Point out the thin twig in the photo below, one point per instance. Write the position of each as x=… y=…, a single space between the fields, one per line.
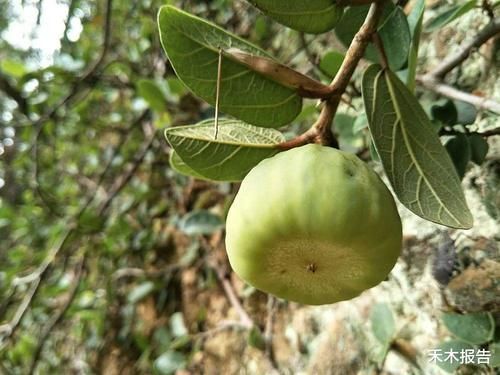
x=36 y=279
x=59 y=316
x=489 y=31
x=477 y=101
x=124 y=179
x=14 y=94
x=320 y=132
x=245 y=319
x=217 y=93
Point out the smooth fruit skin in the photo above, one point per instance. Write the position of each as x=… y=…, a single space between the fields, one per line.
x=313 y=225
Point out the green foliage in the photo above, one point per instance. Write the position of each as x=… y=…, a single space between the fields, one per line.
x=330 y=63
x=450 y=15
x=383 y=325
x=418 y=166
x=192 y=46
x=393 y=30
x=460 y=152
x=303 y=15
x=201 y=222
x=236 y=149
x=473 y=328
x=455 y=347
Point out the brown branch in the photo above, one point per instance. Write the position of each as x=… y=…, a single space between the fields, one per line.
x=320 y=132
x=489 y=31
x=14 y=94
x=479 y=102
x=384 y=62
x=245 y=319
x=59 y=316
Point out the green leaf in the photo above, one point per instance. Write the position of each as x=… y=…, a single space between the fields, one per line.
x=179 y=166
x=256 y=339
x=383 y=325
x=313 y=17
x=396 y=38
x=479 y=148
x=331 y=62
x=393 y=30
x=151 y=93
x=201 y=222
x=417 y=165
x=140 y=291
x=450 y=357
x=445 y=111
x=169 y=362
x=494 y=349
x=473 y=328
x=12 y=67
x=238 y=148
x=450 y=15
x=459 y=150
x=192 y=45
x=466 y=112
x=415 y=19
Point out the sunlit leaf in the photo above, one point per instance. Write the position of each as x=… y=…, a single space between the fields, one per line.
x=237 y=149
x=201 y=222
x=193 y=44
x=416 y=163
x=313 y=17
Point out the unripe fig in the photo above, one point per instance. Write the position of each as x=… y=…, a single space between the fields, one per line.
x=313 y=225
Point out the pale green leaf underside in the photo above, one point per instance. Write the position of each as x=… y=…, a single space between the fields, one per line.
x=192 y=46
x=238 y=148
x=313 y=17
x=179 y=166
x=417 y=165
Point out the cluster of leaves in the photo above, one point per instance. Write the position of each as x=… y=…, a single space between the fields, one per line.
x=95 y=228
x=262 y=94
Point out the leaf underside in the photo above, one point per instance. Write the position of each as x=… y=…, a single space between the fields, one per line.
x=238 y=148
x=192 y=46
x=313 y=17
x=416 y=163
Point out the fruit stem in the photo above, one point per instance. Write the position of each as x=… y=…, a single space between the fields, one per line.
x=321 y=131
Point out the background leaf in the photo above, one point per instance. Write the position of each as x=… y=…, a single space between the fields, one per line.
x=479 y=148
x=474 y=328
x=459 y=150
x=383 y=325
x=148 y=90
x=313 y=17
x=393 y=30
x=201 y=222
x=330 y=63
x=238 y=147
x=192 y=46
x=417 y=165
x=456 y=346
x=415 y=20
x=450 y=15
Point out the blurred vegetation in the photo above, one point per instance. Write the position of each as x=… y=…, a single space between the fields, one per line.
x=109 y=261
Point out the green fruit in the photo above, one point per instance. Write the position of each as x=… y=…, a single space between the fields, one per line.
x=313 y=225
